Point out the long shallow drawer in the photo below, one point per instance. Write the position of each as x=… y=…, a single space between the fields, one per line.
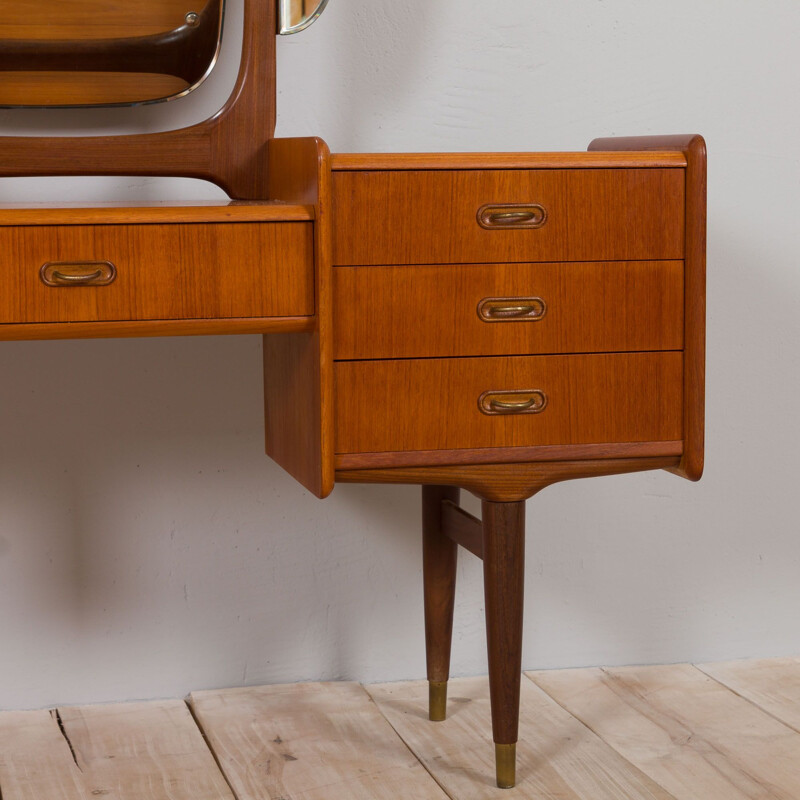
x=460 y=216
x=154 y=271
x=507 y=309
x=436 y=404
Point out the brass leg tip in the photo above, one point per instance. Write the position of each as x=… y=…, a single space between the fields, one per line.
x=506 y=760
x=437 y=700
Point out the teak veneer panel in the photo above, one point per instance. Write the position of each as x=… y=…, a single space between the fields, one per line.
x=121 y=212
x=633 y=159
x=163 y=272
x=85 y=88
x=298 y=367
x=432 y=404
x=431 y=311
x=90 y=19
x=430 y=217
x=693 y=148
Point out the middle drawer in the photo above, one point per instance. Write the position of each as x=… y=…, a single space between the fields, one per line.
x=507 y=309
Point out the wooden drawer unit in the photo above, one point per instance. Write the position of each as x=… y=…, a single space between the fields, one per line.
x=512 y=215
x=436 y=404
x=574 y=274
x=159 y=272
x=507 y=309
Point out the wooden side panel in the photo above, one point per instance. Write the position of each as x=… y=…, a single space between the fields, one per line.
x=163 y=272
x=694 y=149
x=298 y=368
x=428 y=217
x=311 y=741
x=432 y=404
x=432 y=311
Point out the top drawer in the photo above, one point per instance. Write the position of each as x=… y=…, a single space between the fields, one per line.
x=431 y=217
x=156 y=272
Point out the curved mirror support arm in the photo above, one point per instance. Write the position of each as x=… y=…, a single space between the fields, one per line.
x=296 y=15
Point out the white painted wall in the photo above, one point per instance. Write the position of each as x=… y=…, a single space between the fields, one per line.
x=148 y=547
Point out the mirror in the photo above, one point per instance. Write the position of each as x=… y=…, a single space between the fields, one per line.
x=296 y=15
x=105 y=52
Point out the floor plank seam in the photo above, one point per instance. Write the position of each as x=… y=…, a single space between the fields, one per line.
x=407 y=745
x=61 y=728
x=747 y=699
x=597 y=734
x=210 y=749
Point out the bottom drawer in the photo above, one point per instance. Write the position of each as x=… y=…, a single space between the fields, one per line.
x=522 y=401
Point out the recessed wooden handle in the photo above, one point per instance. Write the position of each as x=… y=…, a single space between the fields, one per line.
x=512 y=309
x=525 y=401
x=511 y=216
x=78 y=273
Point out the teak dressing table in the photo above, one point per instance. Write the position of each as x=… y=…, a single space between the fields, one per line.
x=494 y=323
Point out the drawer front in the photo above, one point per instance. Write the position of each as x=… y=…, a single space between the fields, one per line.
x=507 y=309
x=432 y=217
x=177 y=271
x=433 y=404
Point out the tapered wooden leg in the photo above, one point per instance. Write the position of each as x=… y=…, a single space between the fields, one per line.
x=503 y=572
x=439 y=560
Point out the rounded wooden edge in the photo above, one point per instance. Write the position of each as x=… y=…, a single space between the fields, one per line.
x=506 y=455
x=119 y=214
x=347 y=162
x=169 y=327
x=507 y=483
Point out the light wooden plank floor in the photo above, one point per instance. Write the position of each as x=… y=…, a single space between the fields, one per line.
x=708 y=732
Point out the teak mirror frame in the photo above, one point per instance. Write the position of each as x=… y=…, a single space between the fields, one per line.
x=228 y=149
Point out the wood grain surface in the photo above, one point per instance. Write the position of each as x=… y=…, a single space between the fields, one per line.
x=138 y=750
x=430 y=404
x=126 y=751
x=772 y=684
x=634 y=159
x=298 y=368
x=309 y=741
x=431 y=311
x=163 y=272
x=693 y=736
x=557 y=757
x=429 y=217
x=229 y=148
x=488 y=456
x=439 y=570
x=693 y=148
x=90 y=19
x=503 y=591
x=159 y=327
x=59 y=212
x=35 y=759
x=44 y=88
